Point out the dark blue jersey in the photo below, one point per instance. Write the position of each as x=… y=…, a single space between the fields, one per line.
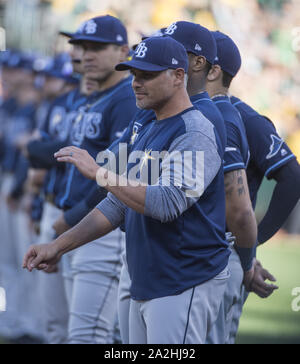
x=7 y=108
x=58 y=128
x=20 y=122
x=41 y=114
x=97 y=124
x=204 y=103
x=167 y=252
x=58 y=124
x=237 y=150
x=201 y=101
x=268 y=151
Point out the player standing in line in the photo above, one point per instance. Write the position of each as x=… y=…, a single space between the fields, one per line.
x=177 y=274
x=201 y=48
x=40 y=153
x=239 y=212
x=269 y=156
x=202 y=52
x=15 y=233
x=93 y=273
x=240 y=216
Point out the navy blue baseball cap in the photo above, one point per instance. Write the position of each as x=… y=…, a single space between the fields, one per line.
x=75 y=34
x=157 y=54
x=228 y=57
x=4 y=57
x=157 y=33
x=102 y=29
x=59 y=66
x=18 y=59
x=195 y=38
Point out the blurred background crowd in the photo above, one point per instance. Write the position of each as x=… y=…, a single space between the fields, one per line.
x=267 y=33
x=36 y=68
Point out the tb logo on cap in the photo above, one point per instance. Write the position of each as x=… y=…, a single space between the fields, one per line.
x=141 y=50
x=90 y=27
x=171 y=29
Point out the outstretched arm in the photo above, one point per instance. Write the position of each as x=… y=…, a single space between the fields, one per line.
x=93 y=226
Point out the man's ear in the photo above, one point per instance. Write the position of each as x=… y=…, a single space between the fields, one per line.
x=124 y=52
x=198 y=63
x=215 y=73
x=179 y=76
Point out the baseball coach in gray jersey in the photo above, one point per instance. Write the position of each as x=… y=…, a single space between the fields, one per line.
x=178 y=271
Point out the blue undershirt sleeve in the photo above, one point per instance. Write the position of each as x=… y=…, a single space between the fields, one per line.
x=285 y=197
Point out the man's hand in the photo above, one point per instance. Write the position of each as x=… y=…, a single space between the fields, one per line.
x=248 y=278
x=81 y=159
x=41 y=257
x=60 y=226
x=12 y=203
x=258 y=285
x=36 y=178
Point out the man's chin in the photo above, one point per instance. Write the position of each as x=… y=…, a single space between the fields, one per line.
x=92 y=76
x=143 y=105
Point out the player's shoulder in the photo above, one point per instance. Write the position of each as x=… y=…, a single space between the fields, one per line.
x=121 y=96
x=211 y=112
x=193 y=120
x=63 y=99
x=251 y=118
x=228 y=111
x=246 y=110
x=123 y=89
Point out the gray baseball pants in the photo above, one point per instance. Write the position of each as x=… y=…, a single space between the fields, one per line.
x=51 y=286
x=91 y=280
x=225 y=328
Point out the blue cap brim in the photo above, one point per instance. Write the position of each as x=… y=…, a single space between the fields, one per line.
x=88 y=38
x=139 y=65
x=67 y=34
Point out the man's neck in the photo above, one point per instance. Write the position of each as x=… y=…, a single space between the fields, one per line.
x=217 y=91
x=174 y=106
x=111 y=81
x=196 y=85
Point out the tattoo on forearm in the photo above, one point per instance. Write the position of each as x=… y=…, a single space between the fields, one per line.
x=229 y=187
x=240 y=182
x=234 y=182
x=241 y=191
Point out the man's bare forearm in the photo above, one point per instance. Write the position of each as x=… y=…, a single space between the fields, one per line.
x=240 y=217
x=92 y=227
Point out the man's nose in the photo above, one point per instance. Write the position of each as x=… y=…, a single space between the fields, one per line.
x=137 y=83
x=87 y=56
